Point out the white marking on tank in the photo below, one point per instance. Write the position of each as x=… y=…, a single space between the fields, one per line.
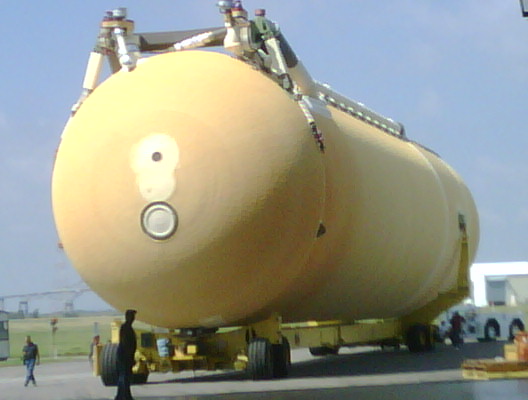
x=154 y=160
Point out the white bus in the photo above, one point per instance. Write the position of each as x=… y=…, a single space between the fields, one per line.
x=489 y=323
x=4 y=336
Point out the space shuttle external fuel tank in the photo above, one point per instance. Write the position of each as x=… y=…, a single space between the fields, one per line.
x=206 y=190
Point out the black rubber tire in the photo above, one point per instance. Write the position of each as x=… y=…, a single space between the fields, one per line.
x=281 y=359
x=139 y=379
x=108 y=365
x=435 y=332
x=287 y=351
x=393 y=343
x=516 y=323
x=430 y=341
x=260 y=359
x=492 y=323
x=317 y=351
x=324 y=351
x=109 y=374
x=419 y=339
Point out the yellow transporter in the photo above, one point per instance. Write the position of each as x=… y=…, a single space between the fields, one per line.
x=209 y=191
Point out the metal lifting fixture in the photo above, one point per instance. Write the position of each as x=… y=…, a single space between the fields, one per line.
x=258 y=42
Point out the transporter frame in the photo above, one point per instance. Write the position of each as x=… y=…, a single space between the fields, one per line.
x=262 y=349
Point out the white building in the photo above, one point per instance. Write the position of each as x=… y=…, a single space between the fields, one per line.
x=503 y=283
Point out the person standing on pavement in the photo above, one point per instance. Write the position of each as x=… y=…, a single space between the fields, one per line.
x=125 y=356
x=93 y=349
x=456 y=329
x=30 y=356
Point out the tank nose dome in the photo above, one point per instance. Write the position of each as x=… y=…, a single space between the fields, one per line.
x=189 y=189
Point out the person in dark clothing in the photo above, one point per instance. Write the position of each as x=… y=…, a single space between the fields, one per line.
x=456 y=329
x=30 y=356
x=125 y=356
x=93 y=349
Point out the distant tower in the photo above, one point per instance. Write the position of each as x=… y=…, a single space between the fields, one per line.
x=23 y=308
x=68 y=307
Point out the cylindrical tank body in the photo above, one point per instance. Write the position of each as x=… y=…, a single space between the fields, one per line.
x=192 y=190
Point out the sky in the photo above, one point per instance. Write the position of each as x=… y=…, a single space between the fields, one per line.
x=454 y=72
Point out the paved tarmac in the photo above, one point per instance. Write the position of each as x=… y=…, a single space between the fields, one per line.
x=355 y=374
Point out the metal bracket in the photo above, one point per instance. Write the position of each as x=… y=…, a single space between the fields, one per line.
x=114 y=41
x=258 y=42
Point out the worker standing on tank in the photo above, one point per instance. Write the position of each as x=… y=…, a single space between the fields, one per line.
x=456 y=329
x=125 y=356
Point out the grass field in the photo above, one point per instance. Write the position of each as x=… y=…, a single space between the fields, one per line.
x=72 y=338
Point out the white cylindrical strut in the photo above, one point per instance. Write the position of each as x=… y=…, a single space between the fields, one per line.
x=91 y=78
x=273 y=46
x=93 y=70
x=195 y=42
x=125 y=59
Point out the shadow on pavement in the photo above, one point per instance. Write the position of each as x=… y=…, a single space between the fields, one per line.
x=372 y=363
x=387 y=362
